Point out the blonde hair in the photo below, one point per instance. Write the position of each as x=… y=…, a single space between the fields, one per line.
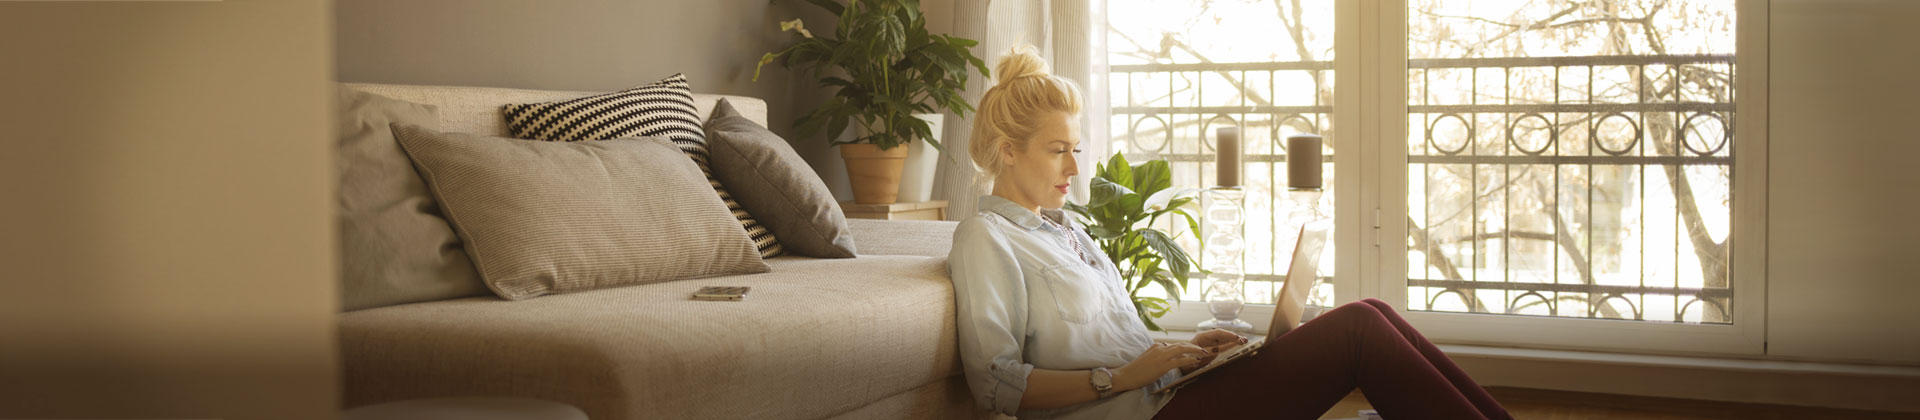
x=1025 y=88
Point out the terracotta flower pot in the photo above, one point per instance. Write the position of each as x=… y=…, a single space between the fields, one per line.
x=875 y=173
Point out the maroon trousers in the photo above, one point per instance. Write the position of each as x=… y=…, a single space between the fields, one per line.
x=1363 y=344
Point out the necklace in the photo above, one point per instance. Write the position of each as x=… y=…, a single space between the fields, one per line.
x=1079 y=251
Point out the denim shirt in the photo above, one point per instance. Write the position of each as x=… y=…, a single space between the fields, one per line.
x=1025 y=300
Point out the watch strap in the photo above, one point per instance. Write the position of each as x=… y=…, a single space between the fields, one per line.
x=1103 y=388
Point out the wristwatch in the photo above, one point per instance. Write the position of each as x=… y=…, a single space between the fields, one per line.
x=1102 y=381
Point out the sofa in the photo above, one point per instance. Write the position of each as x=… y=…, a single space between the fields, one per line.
x=856 y=338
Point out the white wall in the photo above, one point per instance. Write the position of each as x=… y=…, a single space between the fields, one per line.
x=1844 y=194
x=166 y=210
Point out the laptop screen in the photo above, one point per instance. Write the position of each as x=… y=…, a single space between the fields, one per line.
x=1291 y=303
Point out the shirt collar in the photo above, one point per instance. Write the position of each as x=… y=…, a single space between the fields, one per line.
x=1020 y=216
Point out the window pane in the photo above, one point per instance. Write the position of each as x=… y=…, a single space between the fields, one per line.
x=1180 y=69
x=1571 y=159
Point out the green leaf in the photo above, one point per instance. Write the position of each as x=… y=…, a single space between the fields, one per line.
x=893 y=37
x=960 y=42
x=1193 y=226
x=1131 y=203
x=979 y=64
x=1118 y=171
x=812 y=122
x=1157 y=306
x=1103 y=232
x=1151 y=177
x=1079 y=212
x=1104 y=191
x=836 y=127
x=809 y=55
x=1133 y=252
x=842 y=53
x=1179 y=203
x=1177 y=259
x=833 y=81
x=1143 y=269
x=1141 y=310
x=925 y=131
x=1168 y=285
x=1156 y=303
x=948 y=60
x=916 y=24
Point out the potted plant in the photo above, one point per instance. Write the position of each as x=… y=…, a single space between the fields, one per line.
x=1125 y=202
x=894 y=70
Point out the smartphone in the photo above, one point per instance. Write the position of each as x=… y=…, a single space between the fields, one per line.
x=721 y=293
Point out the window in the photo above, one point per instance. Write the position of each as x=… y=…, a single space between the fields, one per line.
x=1571 y=159
x=1181 y=69
x=1511 y=172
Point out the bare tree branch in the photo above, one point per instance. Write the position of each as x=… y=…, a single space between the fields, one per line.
x=1439 y=261
x=1433 y=15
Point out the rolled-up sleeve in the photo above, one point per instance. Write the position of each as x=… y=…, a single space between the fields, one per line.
x=990 y=301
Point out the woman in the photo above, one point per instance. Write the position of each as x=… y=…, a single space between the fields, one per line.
x=1046 y=329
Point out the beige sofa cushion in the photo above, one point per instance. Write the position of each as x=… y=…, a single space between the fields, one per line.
x=551 y=217
x=816 y=337
x=395 y=245
x=932 y=238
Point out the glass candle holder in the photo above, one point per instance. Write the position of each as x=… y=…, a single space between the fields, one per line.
x=1303 y=207
x=1224 y=252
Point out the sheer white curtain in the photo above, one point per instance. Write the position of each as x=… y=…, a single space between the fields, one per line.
x=1071 y=35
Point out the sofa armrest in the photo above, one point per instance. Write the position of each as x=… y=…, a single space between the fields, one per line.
x=932 y=238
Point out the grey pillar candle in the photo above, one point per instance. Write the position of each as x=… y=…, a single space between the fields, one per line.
x=1303 y=162
x=1226 y=162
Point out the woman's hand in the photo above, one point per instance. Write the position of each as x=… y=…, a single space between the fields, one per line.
x=1218 y=340
x=1215 y=341
x=1156 y=361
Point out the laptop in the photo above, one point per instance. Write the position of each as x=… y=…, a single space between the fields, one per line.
x=1289 y=306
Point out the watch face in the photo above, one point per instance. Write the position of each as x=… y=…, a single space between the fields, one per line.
x=1102 y=379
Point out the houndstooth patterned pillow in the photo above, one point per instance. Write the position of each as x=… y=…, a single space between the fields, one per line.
x=660 y=109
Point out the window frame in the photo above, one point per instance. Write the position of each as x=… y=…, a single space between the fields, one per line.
x=1387 y=188
x=1370 y=214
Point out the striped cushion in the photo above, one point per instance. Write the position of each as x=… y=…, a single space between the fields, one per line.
x=659 y=109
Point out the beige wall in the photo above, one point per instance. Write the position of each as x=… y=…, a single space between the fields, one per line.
x=939 y=15
x=166 y=229
x=1842 y=227
x=588 y=45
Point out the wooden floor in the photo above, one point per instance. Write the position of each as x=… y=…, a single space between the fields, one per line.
x=1532 y=404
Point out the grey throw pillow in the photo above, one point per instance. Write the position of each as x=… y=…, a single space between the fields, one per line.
x=395 y=247
x=771 y=181
x=554 y=217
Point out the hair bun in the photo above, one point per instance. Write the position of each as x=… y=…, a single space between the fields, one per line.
x=1021 y=62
